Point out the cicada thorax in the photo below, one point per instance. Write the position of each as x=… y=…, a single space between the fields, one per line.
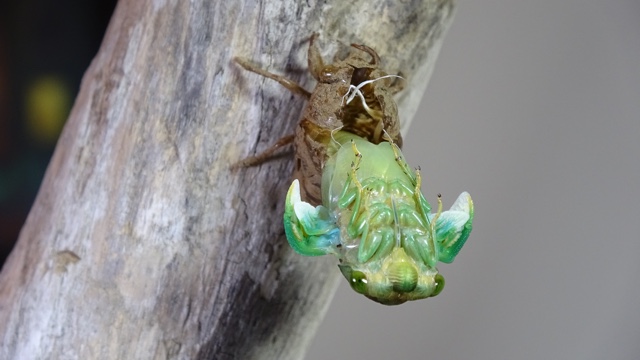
x=328 y=110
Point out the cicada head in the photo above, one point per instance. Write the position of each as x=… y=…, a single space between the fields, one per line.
x=394 y=279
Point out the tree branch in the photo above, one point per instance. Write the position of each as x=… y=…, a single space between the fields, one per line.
x=142 y=243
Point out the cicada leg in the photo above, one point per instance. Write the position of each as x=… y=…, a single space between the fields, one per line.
x=424 y=209
x=265 y=155
x=355 y=165
x=289 y=84
x=358 y=185
x=314 y=59
x=435 y=218
x=398 y=156
x=352 y=193
x=375 y=59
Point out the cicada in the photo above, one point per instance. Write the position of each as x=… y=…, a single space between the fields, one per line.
x=353 y=195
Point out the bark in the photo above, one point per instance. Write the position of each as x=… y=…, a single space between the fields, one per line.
x=141 y=242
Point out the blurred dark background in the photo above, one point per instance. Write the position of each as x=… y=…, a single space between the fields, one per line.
x=45 y=47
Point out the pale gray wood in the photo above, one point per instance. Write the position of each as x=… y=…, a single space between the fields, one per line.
x=142 y=243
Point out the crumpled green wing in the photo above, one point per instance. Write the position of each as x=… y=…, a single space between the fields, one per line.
x=311 y=231
x=453 y=227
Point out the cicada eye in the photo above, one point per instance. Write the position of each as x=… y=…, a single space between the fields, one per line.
x=439 y=285
x=359 y=282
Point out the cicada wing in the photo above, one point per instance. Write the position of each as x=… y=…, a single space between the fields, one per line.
x=310 y=230
x=453 y=227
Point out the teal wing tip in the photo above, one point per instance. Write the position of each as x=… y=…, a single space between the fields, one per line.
x=454 y=227
x=310 y=231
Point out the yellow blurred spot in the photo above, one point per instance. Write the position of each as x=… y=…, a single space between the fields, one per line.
x=48 y=102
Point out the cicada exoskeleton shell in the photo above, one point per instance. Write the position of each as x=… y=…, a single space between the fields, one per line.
x=328 y=110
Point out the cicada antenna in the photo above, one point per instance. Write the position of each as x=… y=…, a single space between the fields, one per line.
x=355 y=91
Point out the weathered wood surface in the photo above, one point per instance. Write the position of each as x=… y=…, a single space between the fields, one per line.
x=141 y=243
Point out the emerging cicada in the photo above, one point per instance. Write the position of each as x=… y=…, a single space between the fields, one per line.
x=362 y=201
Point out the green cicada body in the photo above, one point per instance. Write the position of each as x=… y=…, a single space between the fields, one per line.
x=353 y=195
x=376 y=221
